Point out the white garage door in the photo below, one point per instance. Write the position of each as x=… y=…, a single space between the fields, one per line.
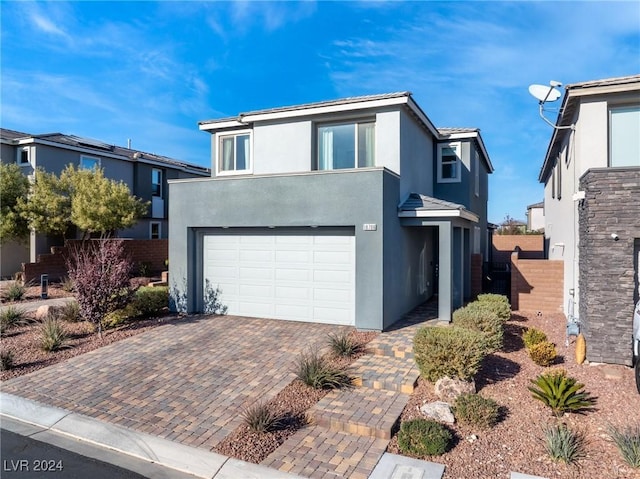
x=295 y=277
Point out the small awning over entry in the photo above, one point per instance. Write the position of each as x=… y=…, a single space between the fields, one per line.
x=422 y=206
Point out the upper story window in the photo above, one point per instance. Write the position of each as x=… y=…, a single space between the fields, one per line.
x=24 y=156
x=89 y=163
x=234 y=153
x=346 y=145
x=449 y=162
x=156 y=182
x=624 y=128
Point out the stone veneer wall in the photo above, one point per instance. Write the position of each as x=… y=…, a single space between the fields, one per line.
x=608 y=270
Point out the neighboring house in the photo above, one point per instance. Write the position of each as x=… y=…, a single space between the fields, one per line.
x=350 y=211
x=535 y=217
x=146 y=175
x=512 y=226
x=591 y=174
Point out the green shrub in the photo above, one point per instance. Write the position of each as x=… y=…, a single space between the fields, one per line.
x=560 y=393
x=149 y=301
x=11 y=317
x=66 y=284
x=476 y=410
x=533 y=336
x=424 y=437
x=342 y=344
x=483 y=321
x=260 y=418
x=563 y=444
x=313 y=370
x=543 y=354
x=6 y=360
x=146 y=302
x=628 y=442
x=52 y=335
x=144 y=269
x=497 y=303
x=15 y=291
x=452 y=351
x=69 y=312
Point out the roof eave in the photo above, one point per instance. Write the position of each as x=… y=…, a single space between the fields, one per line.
x=444 y=213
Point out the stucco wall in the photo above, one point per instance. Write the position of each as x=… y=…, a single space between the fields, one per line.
x=609 y=268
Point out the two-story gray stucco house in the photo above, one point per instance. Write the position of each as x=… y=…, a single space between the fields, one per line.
x=350 y=212
x=146 y=175
x=591 y=176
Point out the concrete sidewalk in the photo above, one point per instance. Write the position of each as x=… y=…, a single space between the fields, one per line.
x=42 y=422
x=31 y=306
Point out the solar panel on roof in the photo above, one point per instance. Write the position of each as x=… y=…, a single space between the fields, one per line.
x=91 y=142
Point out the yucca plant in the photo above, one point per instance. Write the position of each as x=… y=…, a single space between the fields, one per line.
x=11 y=317
x=561 y=393
x=52 y=335
x=563 y=444
x=313 y=370
x=15 y=291
x=628 y=442
x=342 y=344
x=260 y=418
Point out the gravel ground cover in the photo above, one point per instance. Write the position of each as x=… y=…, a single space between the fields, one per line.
x=290 y=404
x=516 y=443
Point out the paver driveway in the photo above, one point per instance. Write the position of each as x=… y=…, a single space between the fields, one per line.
x=186 y=381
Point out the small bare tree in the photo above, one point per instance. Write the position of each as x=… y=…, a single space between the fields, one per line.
x=100 y=272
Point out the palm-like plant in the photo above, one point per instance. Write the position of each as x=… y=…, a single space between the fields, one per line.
x=561 y=393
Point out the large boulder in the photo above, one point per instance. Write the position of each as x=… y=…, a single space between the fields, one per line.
x=448 y=389
x=439 y=411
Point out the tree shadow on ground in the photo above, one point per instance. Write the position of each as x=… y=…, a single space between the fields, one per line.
x=495 y=369
x=513 y=337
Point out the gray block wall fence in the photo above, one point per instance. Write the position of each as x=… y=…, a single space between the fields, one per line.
x=609 y=267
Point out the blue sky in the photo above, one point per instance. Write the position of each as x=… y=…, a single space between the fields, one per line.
x=150 y=71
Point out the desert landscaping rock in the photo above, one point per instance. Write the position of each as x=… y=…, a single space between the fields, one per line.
x=448 y=389
x=438 y=410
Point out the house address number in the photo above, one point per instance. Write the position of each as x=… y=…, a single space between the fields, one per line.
x=369 y=227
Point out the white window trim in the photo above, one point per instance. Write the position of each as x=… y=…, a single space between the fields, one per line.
x=19 y=161
x=82 y=157
x=235 y=133
x=151 y=223
x=161 y=181
x=355 y=124
x=457 y=146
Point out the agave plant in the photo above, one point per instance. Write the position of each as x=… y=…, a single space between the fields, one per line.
x=561 y=393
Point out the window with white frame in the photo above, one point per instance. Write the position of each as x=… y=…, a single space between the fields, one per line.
x=476 y=173
x=89 y=162
x=24 y=156
x=156 y=182
x=449 y=162
x=346 y=145
x=234 y=153
x=155 y=231
x=624 y=128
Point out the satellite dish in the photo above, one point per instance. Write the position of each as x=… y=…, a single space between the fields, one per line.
x=544 y=93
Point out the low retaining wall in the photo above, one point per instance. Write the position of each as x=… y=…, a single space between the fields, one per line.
x=531 y=247
x=536 y=284
x=151 y=253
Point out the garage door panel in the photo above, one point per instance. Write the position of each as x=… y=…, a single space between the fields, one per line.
x=256 y=274
x=295 y=277
x=331 y=257
x=291 y=274
x=297 y=294
x=293 y=256
x=331 y=315
x=332 y=276
x=332 y=295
